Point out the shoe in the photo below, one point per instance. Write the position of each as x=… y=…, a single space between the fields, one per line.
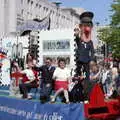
x=42 y=102
x=67 y=102
x=81 y=102
x=86 y=101
x=52 y=100
x=19 y=96
x=29 y=97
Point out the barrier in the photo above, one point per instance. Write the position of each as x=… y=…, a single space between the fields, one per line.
x=19 y=109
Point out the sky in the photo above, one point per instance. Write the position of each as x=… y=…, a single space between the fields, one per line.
x=100 y=8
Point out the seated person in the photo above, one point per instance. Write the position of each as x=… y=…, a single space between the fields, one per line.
x=61 y=78
x=30 y=80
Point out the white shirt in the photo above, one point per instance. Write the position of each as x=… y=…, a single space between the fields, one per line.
x=61 y=74
x=104 y=77
x=29 y=73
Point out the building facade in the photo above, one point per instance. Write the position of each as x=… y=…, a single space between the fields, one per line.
x=16 y=12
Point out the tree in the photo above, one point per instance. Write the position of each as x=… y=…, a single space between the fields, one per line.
x=111 y=34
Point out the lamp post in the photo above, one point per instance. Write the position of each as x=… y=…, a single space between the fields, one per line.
x=58 y=6
x=17 y=43
x=18 y=47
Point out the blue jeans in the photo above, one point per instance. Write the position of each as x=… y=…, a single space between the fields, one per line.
x=45 y=92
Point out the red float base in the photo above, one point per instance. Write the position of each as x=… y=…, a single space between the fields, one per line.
x=101 y=109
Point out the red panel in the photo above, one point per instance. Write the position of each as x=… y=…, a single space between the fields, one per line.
x=99 y=108
x=97 y=96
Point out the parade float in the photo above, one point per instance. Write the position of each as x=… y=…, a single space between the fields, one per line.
x=55 y=44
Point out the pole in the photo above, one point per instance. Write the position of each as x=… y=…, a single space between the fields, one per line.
x=106 y=50
x=17 y=49
x=58 y=6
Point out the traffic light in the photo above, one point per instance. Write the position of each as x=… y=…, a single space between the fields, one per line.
x=109 y=49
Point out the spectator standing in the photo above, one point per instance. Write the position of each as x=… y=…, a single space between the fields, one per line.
x=115 y=79
x=118 y=83
x=107 y=80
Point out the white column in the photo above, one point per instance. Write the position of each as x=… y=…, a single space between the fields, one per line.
x=1 y=18
x=12 y=15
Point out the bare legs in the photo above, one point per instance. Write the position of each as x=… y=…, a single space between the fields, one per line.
x=58 y=92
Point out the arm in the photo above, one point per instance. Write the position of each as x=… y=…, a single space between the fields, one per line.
x=54 y=75
x=40 y=68
x=95 y=76
x=69 y=78
x=17 y=67
x=29 y=81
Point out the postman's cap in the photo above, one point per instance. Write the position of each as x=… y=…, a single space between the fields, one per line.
x=86 y=17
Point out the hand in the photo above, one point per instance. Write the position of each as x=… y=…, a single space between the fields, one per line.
x=16 y=64
x=48 y=85
x=76 y=82
x=82 y=77
x=27 y=82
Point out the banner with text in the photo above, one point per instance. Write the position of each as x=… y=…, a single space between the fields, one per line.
x=16 y=109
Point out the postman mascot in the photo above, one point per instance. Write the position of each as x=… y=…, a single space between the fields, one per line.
x=84 y=49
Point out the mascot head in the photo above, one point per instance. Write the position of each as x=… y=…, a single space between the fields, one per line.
x=86 y=25
x=86 y=18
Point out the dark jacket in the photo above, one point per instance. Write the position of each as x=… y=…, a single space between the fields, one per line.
x=46 y=73
x=85 y=50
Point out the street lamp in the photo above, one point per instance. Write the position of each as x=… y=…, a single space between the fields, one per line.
x=17 y=50
x=58 y=6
